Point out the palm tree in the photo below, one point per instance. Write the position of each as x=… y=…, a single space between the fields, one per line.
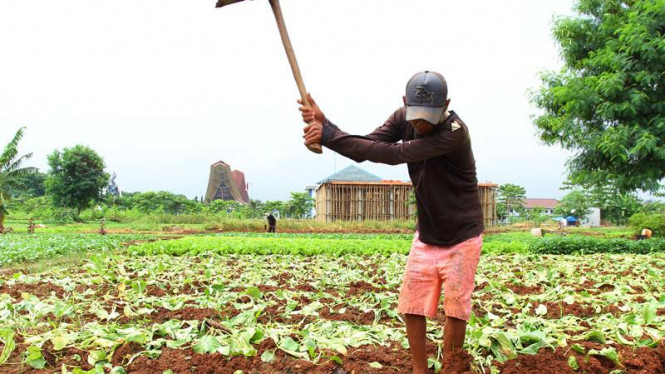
x=11 y=173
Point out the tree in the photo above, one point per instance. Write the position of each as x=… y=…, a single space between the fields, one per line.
x=224 y=206
x=34 y=185
x=615 y=206
x=537 y=215
x=272 y=206
x=511 y=197
x=76 y=178
x=576 y=203
x=299 y=205
x=162 y=202
x=607 y=104
x=11 y=173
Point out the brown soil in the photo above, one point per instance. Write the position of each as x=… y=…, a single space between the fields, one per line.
x=606 y=287
x=557 y=310
x=161 y=315
x=124 y=353
x=359 y=288
x=524 y=290
x=351 y=314
x=282 y=277
x=38 y=289
x=639 y=361
x=393 y=359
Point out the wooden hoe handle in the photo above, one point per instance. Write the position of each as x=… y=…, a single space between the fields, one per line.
x=277 y=10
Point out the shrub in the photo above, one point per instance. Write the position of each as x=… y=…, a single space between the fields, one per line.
x=63 y=216
x=585 y=246
x=652 y=221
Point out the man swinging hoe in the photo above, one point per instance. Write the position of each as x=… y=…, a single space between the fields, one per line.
x=435 y=144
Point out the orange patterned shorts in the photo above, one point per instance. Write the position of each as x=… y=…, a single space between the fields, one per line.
x=429 y=267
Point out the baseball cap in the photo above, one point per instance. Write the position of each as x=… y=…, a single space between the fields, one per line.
x=426 y=94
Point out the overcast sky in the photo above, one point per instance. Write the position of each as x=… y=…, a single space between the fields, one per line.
x=163 y=89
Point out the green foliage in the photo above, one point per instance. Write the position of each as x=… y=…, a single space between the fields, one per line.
x=271 y=206
x=63 y=216
x=232 y=208
x=652 y=221
x=585 y=246
x=32 y=185
x=76 y=178
x=161 y=202
x=653 y=207
x=21 y=248
x=537 y=216
x=299 y=205
x=616 y=207
x=11 y=173
x=367 y=244
x=607 y=104
x=263 y=245
x=320 y=308
x=575 y=203
x=511 y=198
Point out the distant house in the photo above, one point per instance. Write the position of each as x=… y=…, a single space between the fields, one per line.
x=311 y=192
x=547 y=205
x=592 y=219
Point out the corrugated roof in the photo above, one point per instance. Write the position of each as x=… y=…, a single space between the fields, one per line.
x=351 y=173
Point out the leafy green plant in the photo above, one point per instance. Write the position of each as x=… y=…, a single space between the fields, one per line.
x=583 y=246
x=653 y=221
x=21 y=248
x=11 y=173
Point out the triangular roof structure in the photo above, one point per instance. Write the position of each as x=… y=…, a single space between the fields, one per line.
x=351 y=173
x=222 y=184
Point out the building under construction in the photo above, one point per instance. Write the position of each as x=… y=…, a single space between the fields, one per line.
x=355 y=195
x=225 y=184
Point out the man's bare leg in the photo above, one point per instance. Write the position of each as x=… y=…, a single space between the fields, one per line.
x=416 y=327
x=453 y=334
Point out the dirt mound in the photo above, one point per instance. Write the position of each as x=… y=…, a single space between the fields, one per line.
x=635 y=361
x=38 y=289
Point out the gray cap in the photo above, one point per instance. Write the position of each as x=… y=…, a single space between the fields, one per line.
x=426 y=95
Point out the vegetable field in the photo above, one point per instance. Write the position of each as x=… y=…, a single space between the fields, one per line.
x=324 y=304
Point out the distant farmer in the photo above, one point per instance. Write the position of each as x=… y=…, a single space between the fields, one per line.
x=272 y=222
x=435 y=144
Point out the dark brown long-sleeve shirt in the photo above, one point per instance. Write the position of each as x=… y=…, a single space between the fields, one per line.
x=441 y=166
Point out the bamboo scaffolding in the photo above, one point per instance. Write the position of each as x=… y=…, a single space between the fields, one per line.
x=382 y=201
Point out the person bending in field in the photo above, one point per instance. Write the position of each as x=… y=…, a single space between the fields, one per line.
x=435 y=144
x=272 y=223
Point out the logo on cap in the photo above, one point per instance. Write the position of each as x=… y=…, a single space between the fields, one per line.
x=423 y=95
